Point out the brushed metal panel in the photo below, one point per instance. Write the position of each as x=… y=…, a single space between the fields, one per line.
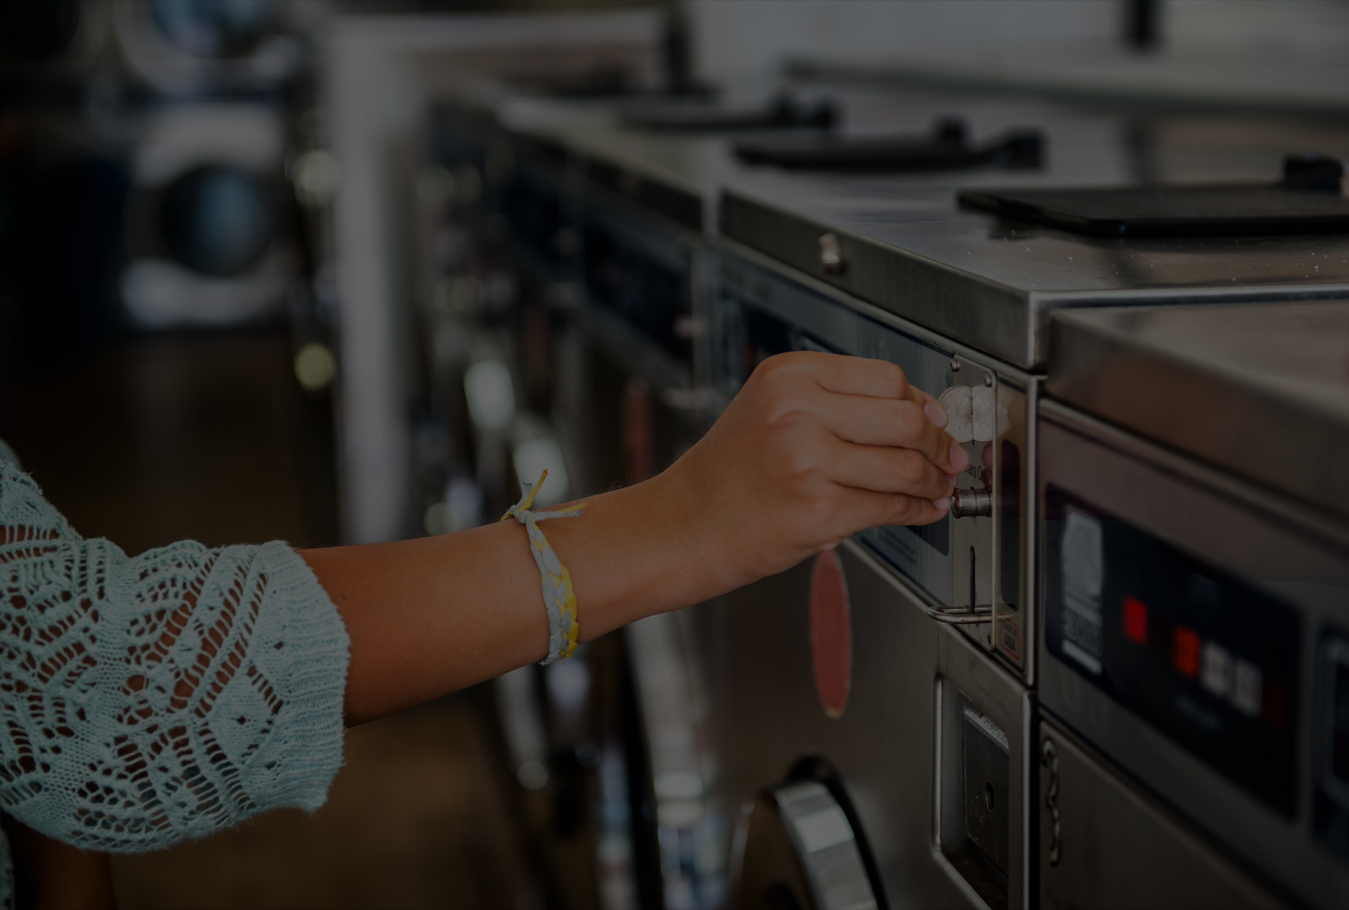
x=1119 y=849
x=1242 y=530
x=764 y=714
x=1255 y=389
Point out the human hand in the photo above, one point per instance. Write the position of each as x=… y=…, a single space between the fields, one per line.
x=815 y=448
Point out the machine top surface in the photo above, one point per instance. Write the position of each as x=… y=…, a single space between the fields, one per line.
x=989 y=281
x=1261 y=390
x=904 y=242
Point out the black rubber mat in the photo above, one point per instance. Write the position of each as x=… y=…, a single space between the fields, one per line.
x=1307 y=200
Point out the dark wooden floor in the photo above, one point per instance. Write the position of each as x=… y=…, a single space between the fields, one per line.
x=209 y=438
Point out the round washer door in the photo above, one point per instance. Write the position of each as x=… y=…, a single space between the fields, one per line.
x=798 y=852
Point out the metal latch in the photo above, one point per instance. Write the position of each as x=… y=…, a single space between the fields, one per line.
x=961 y=616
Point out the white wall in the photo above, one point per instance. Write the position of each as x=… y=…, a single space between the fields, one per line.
x=752 y=37
x=378 y=76
x=1281 y=29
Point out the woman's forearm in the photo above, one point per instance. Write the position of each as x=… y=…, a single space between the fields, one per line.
x=430 y=616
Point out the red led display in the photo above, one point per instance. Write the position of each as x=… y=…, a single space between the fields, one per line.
x=1185 y=651
x=1136 y=620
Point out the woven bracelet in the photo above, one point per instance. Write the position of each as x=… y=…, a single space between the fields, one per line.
x=558 y=596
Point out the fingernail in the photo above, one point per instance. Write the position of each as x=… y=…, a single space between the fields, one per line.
x=960 y=459
x=951 y=480
x=935 y=413
x=942 y=504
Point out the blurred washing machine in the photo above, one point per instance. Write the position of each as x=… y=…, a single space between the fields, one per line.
x=194 y=47
x=624 y=246
x=1196 y=606
x=212 y=225
x=633 y=403
x=209 y=218
x=503 y=315
x=600 y=342
x=154 y=129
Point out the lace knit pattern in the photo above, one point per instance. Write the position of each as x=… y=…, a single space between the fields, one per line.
x=150 y=699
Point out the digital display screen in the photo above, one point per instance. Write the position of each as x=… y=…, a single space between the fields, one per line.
x=1205 y=657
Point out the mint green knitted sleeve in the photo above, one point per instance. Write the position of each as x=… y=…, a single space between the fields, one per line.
x=146 y=700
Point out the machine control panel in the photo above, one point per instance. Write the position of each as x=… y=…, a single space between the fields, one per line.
x=1204 y=656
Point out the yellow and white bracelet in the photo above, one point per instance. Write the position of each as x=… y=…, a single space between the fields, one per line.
x=558 y=596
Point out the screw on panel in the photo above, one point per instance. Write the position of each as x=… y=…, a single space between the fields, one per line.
x=831 y=254
x=955 y=365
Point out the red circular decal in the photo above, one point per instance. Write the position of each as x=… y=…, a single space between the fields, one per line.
x=830 y=633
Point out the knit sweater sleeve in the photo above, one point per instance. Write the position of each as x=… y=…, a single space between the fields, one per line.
x=149 y=699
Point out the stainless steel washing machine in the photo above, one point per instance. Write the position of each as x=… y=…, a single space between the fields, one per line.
x=982 y=289
x=961 y=300
x=920 y=788
x=1196 y=607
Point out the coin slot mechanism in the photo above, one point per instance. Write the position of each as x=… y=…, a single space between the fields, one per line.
x=973 y=823
x=973 y=420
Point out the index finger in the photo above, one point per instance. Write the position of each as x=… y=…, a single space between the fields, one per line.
x=850 y=375
x=875 y=379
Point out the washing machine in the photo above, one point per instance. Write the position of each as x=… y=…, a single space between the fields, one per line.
x=941 y=766
x=1195 y=593
x=862 y=730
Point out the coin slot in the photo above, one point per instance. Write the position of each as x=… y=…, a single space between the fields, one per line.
x=973 y=821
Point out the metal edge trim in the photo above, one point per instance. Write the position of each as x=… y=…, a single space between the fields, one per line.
x=1002 y=369
x=1220 y=480
x=735 y=204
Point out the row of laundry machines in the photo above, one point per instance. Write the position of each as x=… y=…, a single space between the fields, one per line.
x=1117 y=674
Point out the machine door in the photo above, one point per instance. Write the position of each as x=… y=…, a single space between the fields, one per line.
x=1104 y=844
x=931 y=739
x=800 y=845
